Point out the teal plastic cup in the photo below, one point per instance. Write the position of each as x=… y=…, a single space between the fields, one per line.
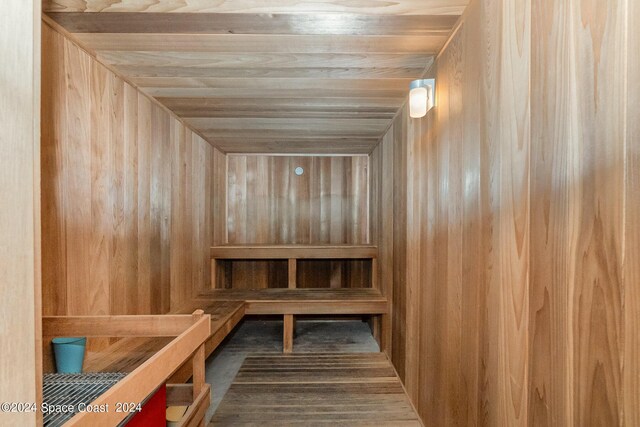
x=69 y=354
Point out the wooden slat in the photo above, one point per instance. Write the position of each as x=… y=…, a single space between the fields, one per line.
x=287 y=333
x=363 y=73
x=115 y=326
x=303 y=301
x=294 y=146
x=631 y=272
x=248 y=23
x=322 y=104
x=197 y=409
x=301 y=84
x=187 y=53
x=316 y=388
x=370 y=7
x=257 y=60
x=293 y=251
x=293 y=127
x=251 y=43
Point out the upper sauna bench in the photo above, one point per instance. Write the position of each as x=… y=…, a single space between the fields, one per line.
x=294 y=252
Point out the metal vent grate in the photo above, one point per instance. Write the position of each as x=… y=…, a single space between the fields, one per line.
x=73 y=390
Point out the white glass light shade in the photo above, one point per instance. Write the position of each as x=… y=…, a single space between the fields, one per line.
x=418 y=98
x=421 y=97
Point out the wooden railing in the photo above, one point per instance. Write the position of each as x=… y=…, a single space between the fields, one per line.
x=191 y=332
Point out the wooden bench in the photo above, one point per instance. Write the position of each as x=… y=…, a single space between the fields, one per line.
x=227 y=307
x=293 y=253
x=291 y=301
x=127 y=354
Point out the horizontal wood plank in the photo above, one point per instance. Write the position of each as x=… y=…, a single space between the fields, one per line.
x=116 y=326
x=258 y=43
x=250 y=23
x=211 y=54
x=210 y=60
x=303 y=301
x=290 y=145
x=294 y=251
x=369 y=7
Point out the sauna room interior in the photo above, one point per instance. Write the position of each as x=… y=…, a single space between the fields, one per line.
x=327 y=212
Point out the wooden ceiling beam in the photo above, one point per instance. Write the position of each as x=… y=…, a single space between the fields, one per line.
x=281 y=73
x=366 y=7
x=290 y=126
x=264 y=23
x=255 y=43
x=301 y=84
x=262 y=145
x=263 y=59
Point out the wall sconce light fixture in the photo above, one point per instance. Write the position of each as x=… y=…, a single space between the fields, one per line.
x=421 y=97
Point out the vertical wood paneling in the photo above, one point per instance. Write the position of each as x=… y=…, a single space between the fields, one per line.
x=461 y=227
x=578 y=187
x=511 y=132
x=20 y=308
x=133 y=197
x=268 y=203
x=631 y=272
x=528 y=221
x=328 y=203
x=53 y=149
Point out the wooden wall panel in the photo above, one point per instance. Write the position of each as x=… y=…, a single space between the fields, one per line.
x=461 y=224
x=131 y=200
x=268 y=203
x=578 y=191
x=518 y=303
x=631 y=272
x=20 y=330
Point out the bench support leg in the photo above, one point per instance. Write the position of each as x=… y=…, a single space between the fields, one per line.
x=287 y=339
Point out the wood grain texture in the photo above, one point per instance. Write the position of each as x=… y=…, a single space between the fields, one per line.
x=631 y=268
x=206 y=55
x=20 y=246
x=579 y=290
x=461 y=228
x=254 y=23
x=130 y=207
x=523 y=307
x=269 y=204
x=370 y=7
x=300 y=301
x=293 y=252
x=309 y=389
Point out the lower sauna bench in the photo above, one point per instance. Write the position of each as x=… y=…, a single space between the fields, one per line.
x=184 y=338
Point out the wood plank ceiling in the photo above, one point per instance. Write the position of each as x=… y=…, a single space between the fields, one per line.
x=292 y=76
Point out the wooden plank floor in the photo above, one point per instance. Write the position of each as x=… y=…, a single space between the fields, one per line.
x=343 y=389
